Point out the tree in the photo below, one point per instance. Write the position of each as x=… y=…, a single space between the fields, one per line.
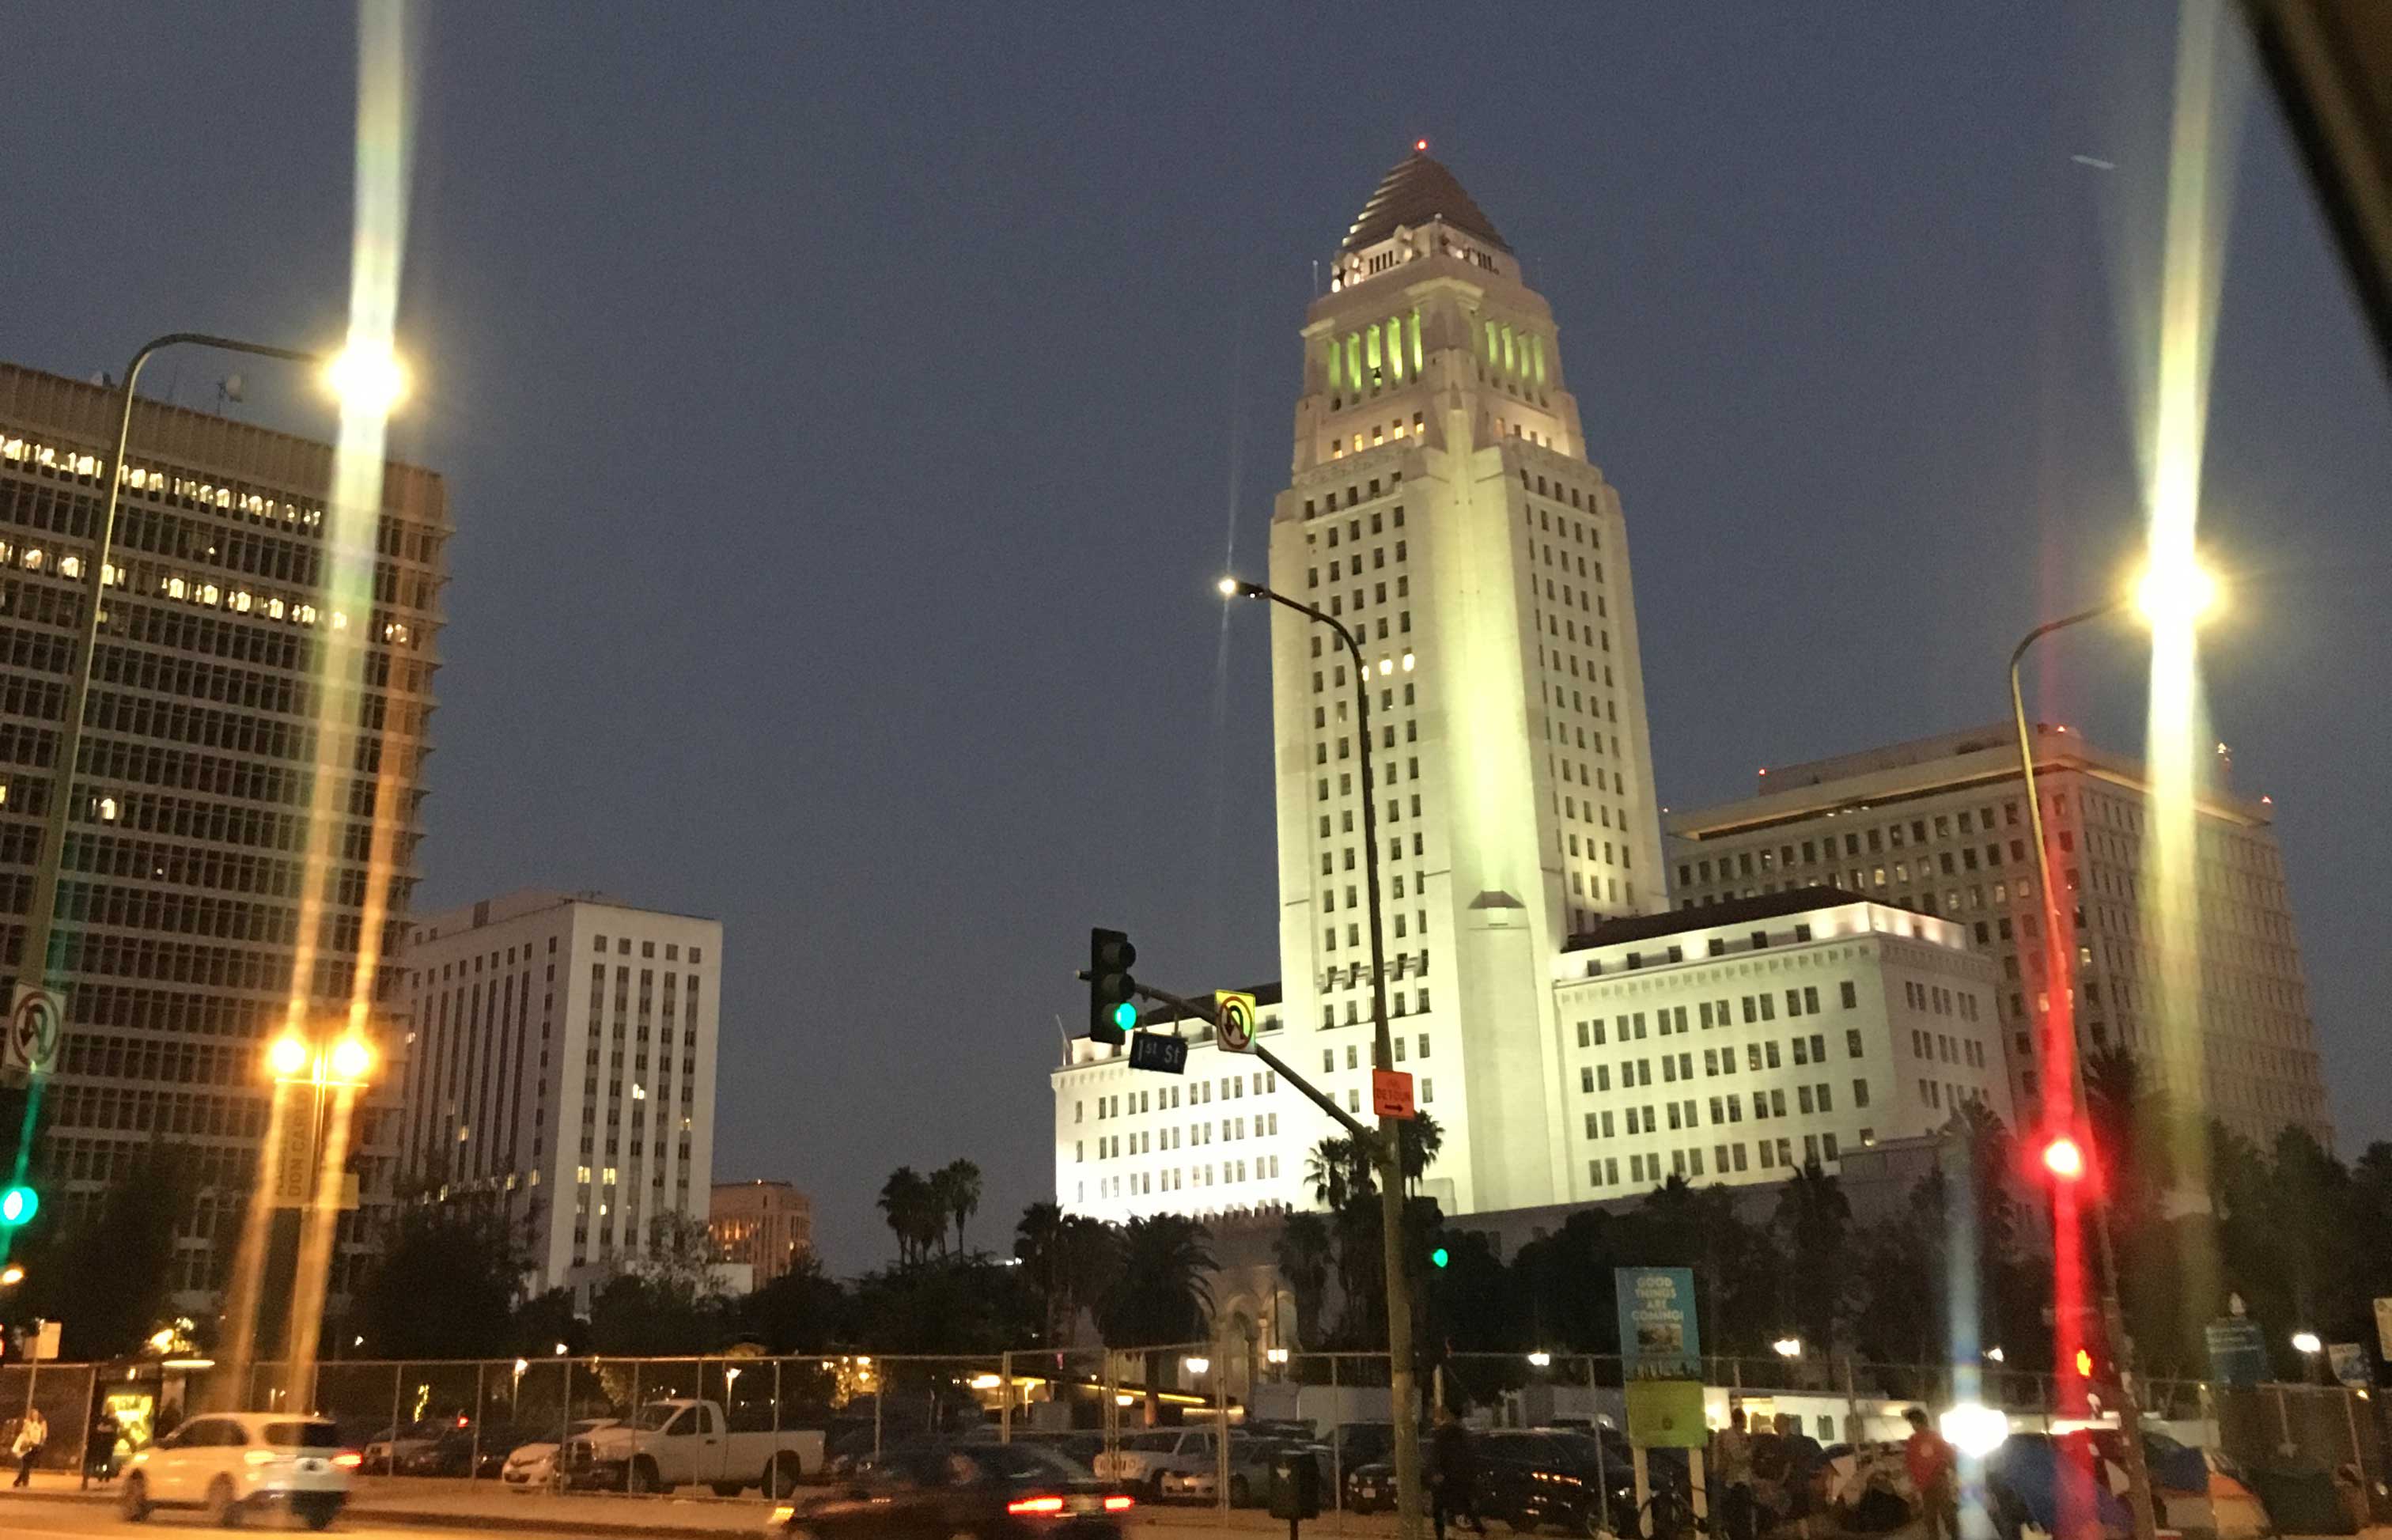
x=801 y=1311
x=907 y=1200
x=956 y=1185
x=1070 y=1260
x=1163 y=1295
x=1339 y=1172
x=109 y=1279
x=1815 y=1221
x=1303 y=1252
x=682 y=1256
x=446 y=1282
x=1419 y=1137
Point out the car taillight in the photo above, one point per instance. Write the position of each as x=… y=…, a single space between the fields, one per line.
x=1116 y=1503
x=1034 y=1505
x=349 y=1459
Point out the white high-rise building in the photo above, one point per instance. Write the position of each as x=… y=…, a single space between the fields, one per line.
x=562 y=1063
x=1442 y=505
x=1937 y=825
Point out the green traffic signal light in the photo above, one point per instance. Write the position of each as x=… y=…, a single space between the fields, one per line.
x=1439 y=1257
x=1125 y=1015
x=19 y=1204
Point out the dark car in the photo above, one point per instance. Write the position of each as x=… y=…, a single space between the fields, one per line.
x=1534 y=1478
x=935 y=1490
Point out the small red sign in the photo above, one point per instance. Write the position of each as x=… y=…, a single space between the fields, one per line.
x=1391 y=1093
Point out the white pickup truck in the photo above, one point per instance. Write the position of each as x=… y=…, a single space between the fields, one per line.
x=669 y=1444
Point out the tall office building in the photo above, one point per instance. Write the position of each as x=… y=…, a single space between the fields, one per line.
x=561 y=1065
x=1443 y=507
x=180 y=898
x=767 y=1226
x=1939 y=825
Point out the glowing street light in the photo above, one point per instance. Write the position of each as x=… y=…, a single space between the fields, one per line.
x=1197 y=1363
x=1787 y=1346
x=1540 y=1359
x=288 y=1057
x=2308 y=1342
x=2177 y=591
x=350 y=1060
x=12 y=1276
x=366 y=379
x=1275 y=1355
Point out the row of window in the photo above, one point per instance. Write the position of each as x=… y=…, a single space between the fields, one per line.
x=1767 y=1154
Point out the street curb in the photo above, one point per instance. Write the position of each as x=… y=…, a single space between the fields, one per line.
x=511 y=1523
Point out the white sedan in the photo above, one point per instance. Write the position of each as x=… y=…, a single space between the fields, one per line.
x=532 y=1467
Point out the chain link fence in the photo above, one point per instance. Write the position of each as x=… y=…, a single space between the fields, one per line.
x=1145 y=1418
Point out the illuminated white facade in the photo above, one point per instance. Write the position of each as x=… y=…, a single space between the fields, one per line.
x=562 y=1063
x=1742 y=1043
x=1442 y=506
x=1938 y=825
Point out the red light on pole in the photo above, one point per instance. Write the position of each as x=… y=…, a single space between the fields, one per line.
x=2063 y=1159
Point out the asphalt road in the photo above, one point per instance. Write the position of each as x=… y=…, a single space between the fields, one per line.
x=40 y=1516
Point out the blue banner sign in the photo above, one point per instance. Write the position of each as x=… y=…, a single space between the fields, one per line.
x=1658 y=1338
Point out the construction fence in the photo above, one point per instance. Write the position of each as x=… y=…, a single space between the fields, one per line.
x=461 y=1419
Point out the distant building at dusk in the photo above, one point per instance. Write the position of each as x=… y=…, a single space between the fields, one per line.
x=1444 y=506
x=562 y=1065
x=768 y=1226
x=180 y=902
x=1937 y=825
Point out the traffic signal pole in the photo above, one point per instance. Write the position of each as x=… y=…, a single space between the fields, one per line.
x=1387 y=1147
x=1272 y=1062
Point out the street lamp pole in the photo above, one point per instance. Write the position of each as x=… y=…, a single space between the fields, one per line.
x=1388 y=1152
x=2063 y=946
x=36 y=966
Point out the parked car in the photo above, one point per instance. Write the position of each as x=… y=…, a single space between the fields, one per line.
x=532 y=1467
x=1534 y=1478
x=1250 y=1474
x=1140 y=1461
x=239 y=1464
x=384 y=1453
x=460 y=1450
x=933 y=1490
x=680 y=1442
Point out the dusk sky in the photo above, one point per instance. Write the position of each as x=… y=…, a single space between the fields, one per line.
x=845 y=410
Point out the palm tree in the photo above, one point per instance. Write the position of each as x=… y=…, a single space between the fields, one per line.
x=1816 y=1220
x=1303 y=1252
x=1038 y=1241
x=1163 y=1295
x=903 y=1200
x=958 y=1189
x=1421 y=1138
x=1339 y=1173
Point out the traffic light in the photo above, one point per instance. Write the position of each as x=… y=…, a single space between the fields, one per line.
x=17 y=1205
x=1113 y=993
x=1439 y=1257
x=2064 y=1157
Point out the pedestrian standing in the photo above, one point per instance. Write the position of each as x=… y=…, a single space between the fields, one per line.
x=32 y=1433
x=1732 y=1458
x=1450 y=1474
x=1935 y=1474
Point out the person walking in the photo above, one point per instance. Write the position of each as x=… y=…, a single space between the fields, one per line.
x=1804 y=1459
x=1450 y=1474
x=33 y=1433
x=1732 y=1461
x=1935 y=1474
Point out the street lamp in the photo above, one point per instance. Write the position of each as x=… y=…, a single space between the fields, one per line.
x=2174 y=591
x=364 y=381
x=12 y=1274
x=2307 y=1343
x=1540 y=1359
x=1402 y=1390
x=1197 y=1363
x=1787 y=1347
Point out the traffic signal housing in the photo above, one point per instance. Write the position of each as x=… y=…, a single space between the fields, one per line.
x=1113 y=993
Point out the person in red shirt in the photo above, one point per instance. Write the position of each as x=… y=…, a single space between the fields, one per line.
x=1935 y=1474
